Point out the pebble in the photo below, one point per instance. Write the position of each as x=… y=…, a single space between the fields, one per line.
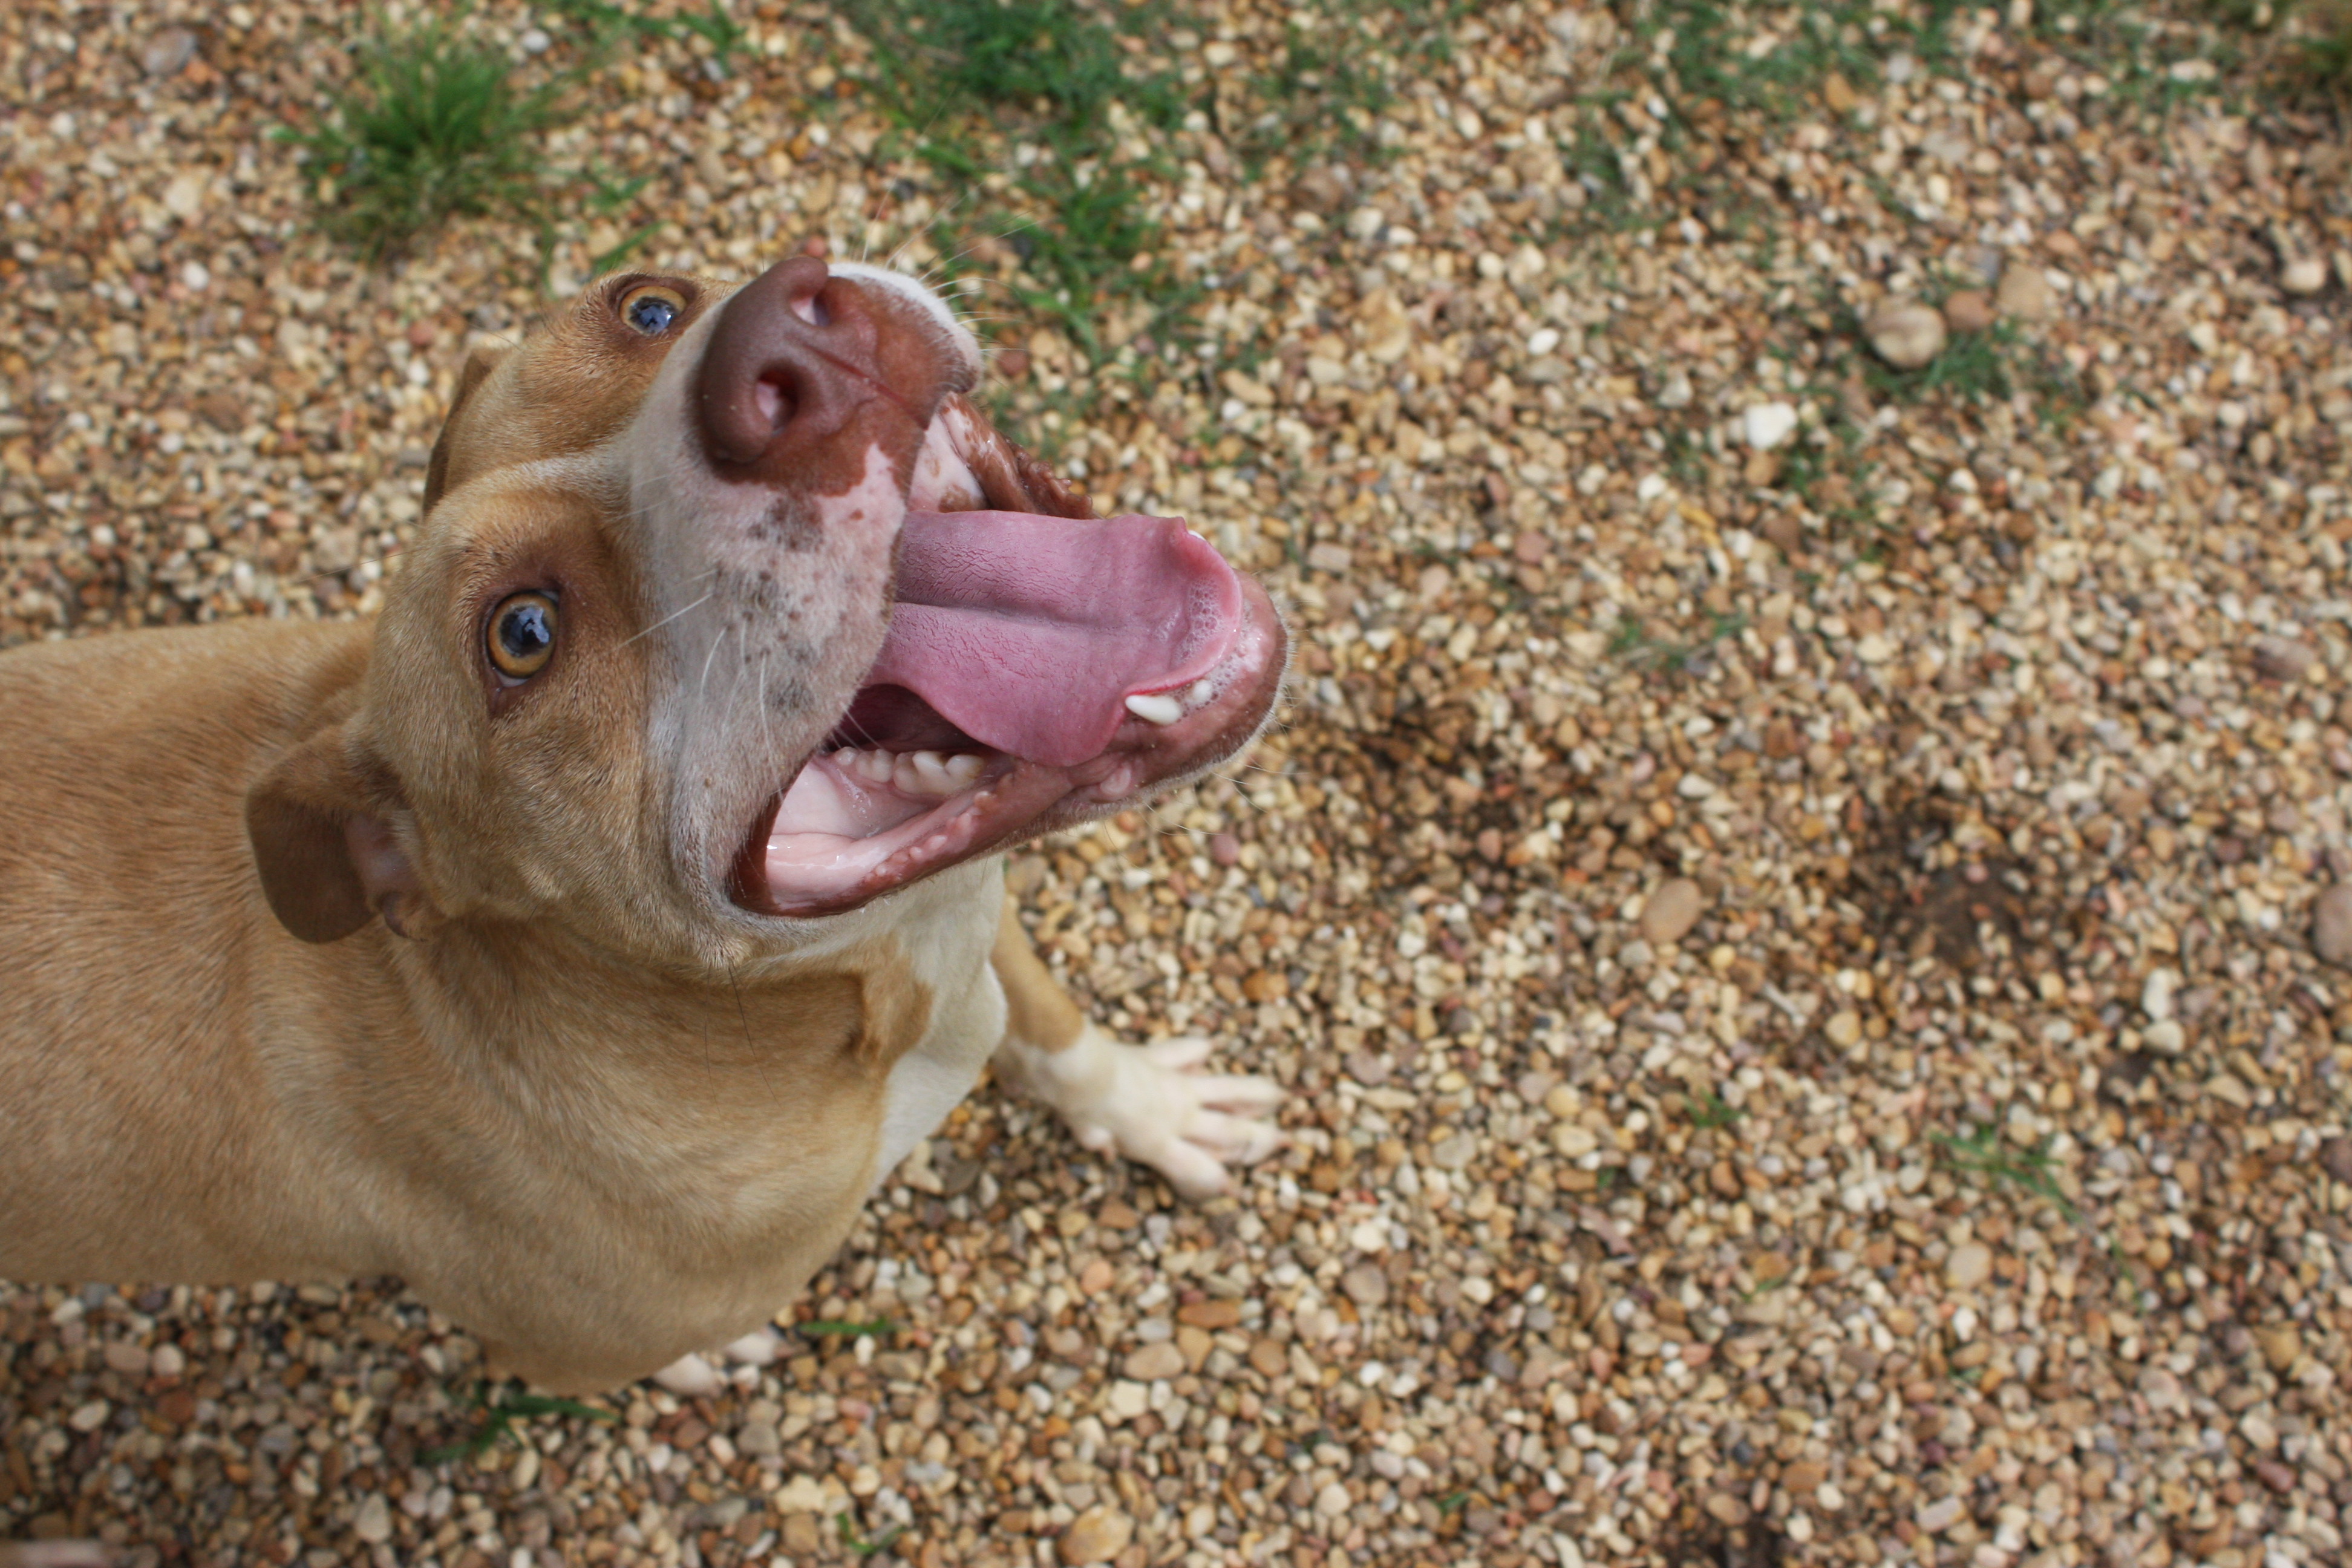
x=2331 y=925
x=1154 y=1361
x=2285 y=658
x=1905 y=333
x=167 y=52
x=2336 y=1158
x=1969 y=311
x=1668 y=913
x=2025 y=293
x=1097 y=1535
x=1969 y=1265
x=373 y=1522
x=1767 y=425
x=1939 y=1516
x=1843 y=1030
x=1366 y=1285
x=2304 y=275
x=2282 y=1346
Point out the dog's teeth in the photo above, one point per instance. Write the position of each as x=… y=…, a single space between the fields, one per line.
x=1198 y=693
x=964 y=767
x=932 y=774
x=1155 y=708
x=876 y=765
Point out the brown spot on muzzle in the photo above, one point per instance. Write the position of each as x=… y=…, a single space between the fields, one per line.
x=847 y=364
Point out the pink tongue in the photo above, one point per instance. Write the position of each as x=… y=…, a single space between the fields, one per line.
x=1028 y=633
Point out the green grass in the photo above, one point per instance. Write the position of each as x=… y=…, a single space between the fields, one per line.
x=1637 y=646
x=965 y=81
x=499 y=1419
x=609 y=26
x=432 y=126
x=1984 y=1152
x=854 y=1539
x=1710 y=1110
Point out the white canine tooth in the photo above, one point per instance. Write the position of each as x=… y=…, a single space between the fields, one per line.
x=1199 y=693
x=962 y=768
x=1155 y=708
x=933 y=772
x=876 y=765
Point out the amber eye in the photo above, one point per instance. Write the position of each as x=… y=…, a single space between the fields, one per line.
x=522 y=635
x=651 y=308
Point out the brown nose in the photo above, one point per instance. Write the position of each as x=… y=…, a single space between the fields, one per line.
x=803 y=363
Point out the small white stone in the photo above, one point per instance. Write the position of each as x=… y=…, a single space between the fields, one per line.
x=1905 y=333
x=1767 y=425
x=372 y=1524
x=2304 y=275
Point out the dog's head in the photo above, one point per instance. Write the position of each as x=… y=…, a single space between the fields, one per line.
x=729 y=610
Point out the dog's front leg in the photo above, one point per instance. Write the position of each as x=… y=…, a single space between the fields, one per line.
x=1149 y=1102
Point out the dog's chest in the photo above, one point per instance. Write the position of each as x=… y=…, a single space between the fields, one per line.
x=946 y=945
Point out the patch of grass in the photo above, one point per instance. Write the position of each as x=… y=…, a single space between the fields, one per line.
x=854 y=1539
x=1972 y=366
x=431 y=126
x=1984 y=1152
x=2324 y=52
x=1637 y=646
x=434 y=125
x=1710 y=1110
x=498 y=1418
x=609 y=24
x=971 y=81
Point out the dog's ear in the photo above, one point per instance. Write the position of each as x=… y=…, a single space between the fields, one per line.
x=479 y=365
x=329 y=860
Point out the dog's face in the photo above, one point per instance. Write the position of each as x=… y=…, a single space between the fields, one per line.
x=729 y=610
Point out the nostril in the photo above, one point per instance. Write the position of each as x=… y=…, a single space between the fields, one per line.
x=809 y=307
x=775 y=400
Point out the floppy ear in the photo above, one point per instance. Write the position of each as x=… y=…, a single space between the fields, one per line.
x=479 y=365
x=328 y=858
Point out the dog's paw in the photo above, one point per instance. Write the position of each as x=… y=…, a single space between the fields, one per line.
x=55 y=1555
x=1154 y=1105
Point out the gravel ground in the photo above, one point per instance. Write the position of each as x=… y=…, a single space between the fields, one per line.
x=1793 y=896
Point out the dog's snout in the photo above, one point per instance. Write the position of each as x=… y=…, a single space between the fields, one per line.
x=798 y=352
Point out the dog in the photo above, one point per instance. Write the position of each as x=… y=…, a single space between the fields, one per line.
x=584 y=938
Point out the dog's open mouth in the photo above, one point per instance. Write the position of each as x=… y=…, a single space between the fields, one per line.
x=1038 y=668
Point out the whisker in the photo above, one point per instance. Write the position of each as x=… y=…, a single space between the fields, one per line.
x=671 y=617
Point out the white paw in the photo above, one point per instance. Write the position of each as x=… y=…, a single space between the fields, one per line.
x=55 y=1555
x=1154 y=1105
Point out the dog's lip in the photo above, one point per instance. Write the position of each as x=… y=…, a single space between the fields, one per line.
x=1220 y=676
x=783 y=873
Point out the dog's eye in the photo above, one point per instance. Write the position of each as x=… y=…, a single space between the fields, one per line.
x=522 y=636
x=652 y=308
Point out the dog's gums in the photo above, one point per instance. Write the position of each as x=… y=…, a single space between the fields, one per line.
x=1037 y=668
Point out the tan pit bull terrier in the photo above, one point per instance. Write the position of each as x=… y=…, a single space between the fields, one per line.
x=584 y=938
